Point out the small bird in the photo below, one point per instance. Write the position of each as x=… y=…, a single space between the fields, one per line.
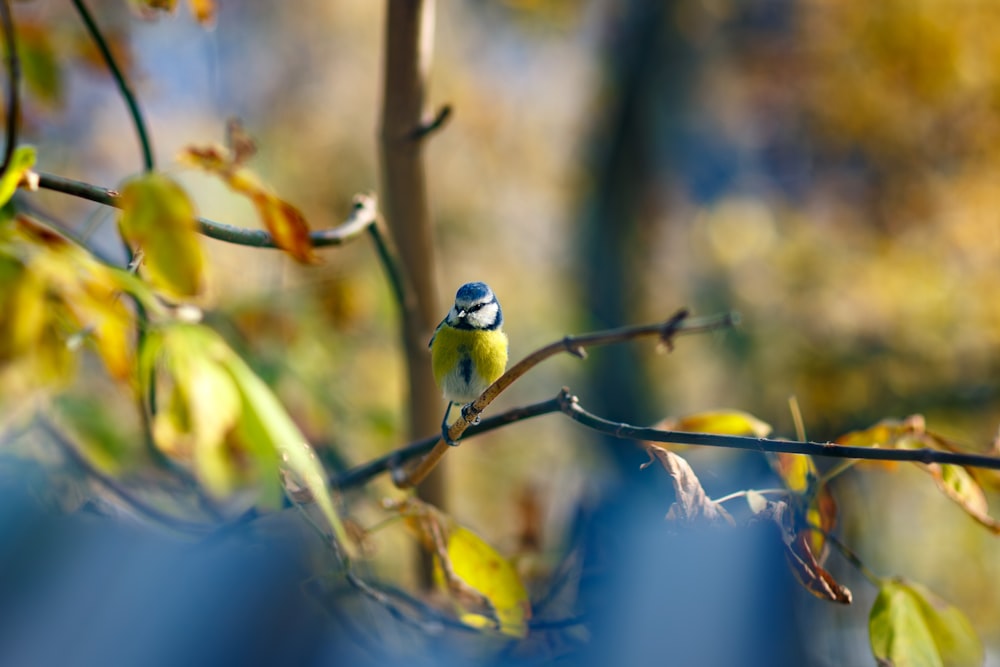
x=468 y=348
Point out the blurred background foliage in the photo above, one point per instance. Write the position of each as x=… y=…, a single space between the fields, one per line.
x=828 y=169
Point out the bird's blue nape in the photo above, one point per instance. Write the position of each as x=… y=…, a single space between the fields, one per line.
x=473 y=292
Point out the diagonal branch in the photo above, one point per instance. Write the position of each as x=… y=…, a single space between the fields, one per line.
x=677 y=324
x=395 y=459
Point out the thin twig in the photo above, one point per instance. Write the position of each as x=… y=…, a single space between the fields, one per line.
x=363 y=214
x=433 y=125
x=13 y=108
x=123 y=86
x=570 y=406
x=112 y=485
x=363 y=473
x=676 y=325
x=390 y=262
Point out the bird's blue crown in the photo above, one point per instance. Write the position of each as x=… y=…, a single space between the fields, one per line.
x=474 y=293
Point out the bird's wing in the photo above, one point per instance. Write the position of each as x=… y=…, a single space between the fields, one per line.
x=436 y=329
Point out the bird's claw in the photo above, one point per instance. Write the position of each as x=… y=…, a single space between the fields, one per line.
x=446 y=437
x=466 y=409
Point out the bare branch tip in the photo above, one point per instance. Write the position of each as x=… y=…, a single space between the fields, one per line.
x=424 y=130
x=571 y=346
x=566 y=400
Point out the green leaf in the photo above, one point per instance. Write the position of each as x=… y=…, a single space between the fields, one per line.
x=223 y=418
x=267 y=420
x=98 y=432
x=159 y=219
x=22 y=161
x=909 y=626
x=39 y=62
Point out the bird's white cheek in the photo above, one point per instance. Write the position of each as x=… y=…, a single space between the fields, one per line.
x=484 y=317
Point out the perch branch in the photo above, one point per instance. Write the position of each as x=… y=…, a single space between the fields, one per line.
x=361 y=474
x=576 y=345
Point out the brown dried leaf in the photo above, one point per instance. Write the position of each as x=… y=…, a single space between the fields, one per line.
x=286 y=223
x=811 y=574
x=692 y=502
x=800 y=556
x=241 y=144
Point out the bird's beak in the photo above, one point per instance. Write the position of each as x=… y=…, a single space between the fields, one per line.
x=462 y=314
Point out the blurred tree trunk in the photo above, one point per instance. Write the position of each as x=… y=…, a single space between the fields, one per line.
x=409 y=40
x=645 y=88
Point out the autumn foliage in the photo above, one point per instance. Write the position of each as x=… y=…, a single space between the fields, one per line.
x=167 y=404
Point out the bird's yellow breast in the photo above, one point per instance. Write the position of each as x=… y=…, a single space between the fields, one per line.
x=466 y=361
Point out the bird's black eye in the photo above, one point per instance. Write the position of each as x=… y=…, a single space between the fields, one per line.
x=473 y=308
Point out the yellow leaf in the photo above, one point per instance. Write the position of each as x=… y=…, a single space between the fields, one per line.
x=795 y=470
x=956 y=483
x=22 y=302
x=483 y=585
x=159 y=219
x=20 y=164
x=204 y=12
x=87 y=293
x=481 y=568
x=723 y=422
x=911 y=626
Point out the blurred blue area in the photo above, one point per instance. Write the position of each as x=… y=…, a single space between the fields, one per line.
x=83 y=590
x=705 y=596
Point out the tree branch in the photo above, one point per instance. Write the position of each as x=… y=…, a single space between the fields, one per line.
x=678 y=324
x=112 y=485
x=122 y=83
x=13 y=63
x=570 y=406
x=363 y=215
x=363 y=473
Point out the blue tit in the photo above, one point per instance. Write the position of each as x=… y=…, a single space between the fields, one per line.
x=468 y=348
